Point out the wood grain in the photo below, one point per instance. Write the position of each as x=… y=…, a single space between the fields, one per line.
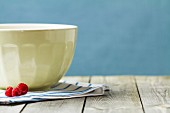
x=11 y=108
x=155 y=93
x=59 y=106
x=123 y=97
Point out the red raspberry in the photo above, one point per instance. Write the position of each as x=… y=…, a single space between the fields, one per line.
x=23 y=88
x=8 y=91
x=16 y=92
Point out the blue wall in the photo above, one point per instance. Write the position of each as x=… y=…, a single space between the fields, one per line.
x=115 y=36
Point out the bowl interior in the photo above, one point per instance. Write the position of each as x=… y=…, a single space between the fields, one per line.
x=11 y=27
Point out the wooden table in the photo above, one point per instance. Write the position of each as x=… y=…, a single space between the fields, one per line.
x=129 y=94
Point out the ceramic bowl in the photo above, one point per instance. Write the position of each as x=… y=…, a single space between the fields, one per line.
x=35 y=54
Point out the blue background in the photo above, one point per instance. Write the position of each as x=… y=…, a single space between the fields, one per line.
x=115 y=36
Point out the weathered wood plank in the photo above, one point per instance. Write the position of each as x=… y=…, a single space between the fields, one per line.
x=11 y=108
x=155 y=93
x=59 y=106
x=123 y=97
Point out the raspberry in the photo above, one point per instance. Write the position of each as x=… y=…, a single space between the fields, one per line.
x=16 y=92
x=23 y=88
x=8 y=91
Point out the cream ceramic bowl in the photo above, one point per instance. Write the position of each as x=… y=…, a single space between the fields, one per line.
x=36 y=54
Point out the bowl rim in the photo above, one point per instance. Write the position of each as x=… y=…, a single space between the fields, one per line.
x=34 y=27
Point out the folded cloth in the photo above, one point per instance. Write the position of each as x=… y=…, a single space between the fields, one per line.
x=64 y=89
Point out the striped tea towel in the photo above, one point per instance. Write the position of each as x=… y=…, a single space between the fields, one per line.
x=64 y=89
